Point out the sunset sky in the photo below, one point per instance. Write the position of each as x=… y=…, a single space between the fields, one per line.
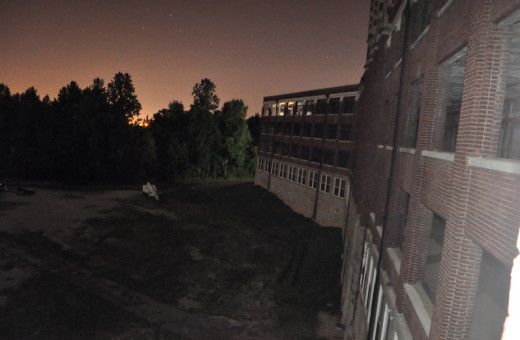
x=248 y=48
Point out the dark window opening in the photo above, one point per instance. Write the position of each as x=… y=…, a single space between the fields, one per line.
x=348 y=105
x=297 y=130
x=321 y=107
x=304 y=152
x=421 y=17
x=307 y=130
x=415 y=112
x=332 y=131
x=294 y=150
x=509 y=146
x=455 y=68
x=287 y=129
x=333 y=106
x=276 y=147
x=278 y=128
x=510 y=130
x=285 y=149
x=433 y=260
x=318 y=130
x=492 y=299
x=328 y=156
x=343 y=159
x=316 y=155
x=346 y=132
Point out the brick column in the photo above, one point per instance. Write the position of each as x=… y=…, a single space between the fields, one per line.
x=477 y=135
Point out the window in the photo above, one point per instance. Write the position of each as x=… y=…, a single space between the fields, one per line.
x=433 y=259
x=510 y=130
x=415 y=111
x=283 y=170
x=313 y=179
x=490 y=309
x=292 y=173
x=271 y=129
x=282 y=109
x=420 y=17
x=277 y=147
x=297 y=128
x=509 y=146
x=307 y=130
x=290 y=108
x=332 y=131
x=346 y=132
x=272 y=111
x=316 y=155
x=334 y=105
x=339 y=187
x=343 y=159
x=309 y=107
x=367 y=279
x=274 y=169
x=382 y=317
x=287 y=129
x=294 y=150
x=454 y=88
x=328 y=156
x=285 y=149
x=348 y=105
x=278 y=129
x=318 y=130
x=325 y=183
x=300 y=108
x=268 y=166
x=304 y=152
x=321 y=106
x=266 y=110
x=259 y=164
x=302 y=176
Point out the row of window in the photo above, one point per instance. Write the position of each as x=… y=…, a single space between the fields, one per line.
x=303 y=176
x=316 y=154
x=334 y=105
x=317 y=130
x=509 y=145
x=493 y=281
x=382 y=315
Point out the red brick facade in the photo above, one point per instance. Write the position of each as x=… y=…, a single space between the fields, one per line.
x=430 y=179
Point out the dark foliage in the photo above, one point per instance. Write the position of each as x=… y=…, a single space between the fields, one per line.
x=90 y=136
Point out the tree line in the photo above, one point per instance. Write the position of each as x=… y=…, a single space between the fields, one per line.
x=91 y=135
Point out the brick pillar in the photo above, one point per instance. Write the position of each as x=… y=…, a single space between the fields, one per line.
x=477 y=134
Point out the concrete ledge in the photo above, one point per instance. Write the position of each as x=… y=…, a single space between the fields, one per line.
x=411 y=151
x=444 y=8
x=421 y=303
x=395 y=257
x=420 y=37
x=445 y=156
x=509 y=166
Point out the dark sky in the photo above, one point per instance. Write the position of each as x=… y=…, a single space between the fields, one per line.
x=248 y=48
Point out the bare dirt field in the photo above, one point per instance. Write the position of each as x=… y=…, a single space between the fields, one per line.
x=213 y=261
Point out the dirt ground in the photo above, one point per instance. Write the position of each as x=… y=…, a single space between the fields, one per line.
x=213 y=261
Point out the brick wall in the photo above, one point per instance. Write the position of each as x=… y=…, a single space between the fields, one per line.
x=481 y=206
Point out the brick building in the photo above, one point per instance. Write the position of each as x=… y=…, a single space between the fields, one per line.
x=306 y=148
x=435 y=210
